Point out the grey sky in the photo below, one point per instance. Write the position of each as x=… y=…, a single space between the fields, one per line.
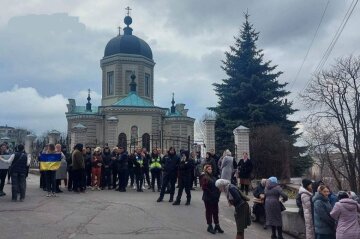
x=55 y=47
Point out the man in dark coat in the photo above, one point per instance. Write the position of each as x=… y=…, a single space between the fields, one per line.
x=171 y=164
x=245 y=168
x=186 y=169
x=122 y=162
x=78 y=168
x=106 y=168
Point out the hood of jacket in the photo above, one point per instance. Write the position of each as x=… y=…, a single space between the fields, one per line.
x=303 y=190
x=348 y=204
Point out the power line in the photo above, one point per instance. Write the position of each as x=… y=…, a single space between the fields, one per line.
x=336 y=36
x=311 y=43
x=334 y=40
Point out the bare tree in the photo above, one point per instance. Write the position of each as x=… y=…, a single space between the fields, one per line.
x=334 y=98
x=200 y=127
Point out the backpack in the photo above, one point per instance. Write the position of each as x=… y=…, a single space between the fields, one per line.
x=299 y=205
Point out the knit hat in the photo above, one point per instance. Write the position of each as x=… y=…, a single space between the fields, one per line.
x=273 y=180
x=306 y=182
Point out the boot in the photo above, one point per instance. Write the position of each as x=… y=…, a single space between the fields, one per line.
x=160 y=199
x=177 y=202
x=211 y=229
x=273 y=232
x=2 y=193
x=187 y=202
x=171 y=198
x=218 y=228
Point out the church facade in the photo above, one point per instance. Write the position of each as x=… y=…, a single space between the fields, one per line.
x=127 y=116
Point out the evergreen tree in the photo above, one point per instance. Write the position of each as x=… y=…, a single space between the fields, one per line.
x=251 y=95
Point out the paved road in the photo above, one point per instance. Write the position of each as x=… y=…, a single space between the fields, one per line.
x=110 y=214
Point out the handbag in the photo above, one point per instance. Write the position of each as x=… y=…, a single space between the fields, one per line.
x=282 y=207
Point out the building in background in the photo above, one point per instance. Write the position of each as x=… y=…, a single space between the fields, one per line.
x=127 y=115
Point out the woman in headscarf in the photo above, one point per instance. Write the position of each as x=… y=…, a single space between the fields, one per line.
x=273 y=192
x=237 y=199
x=211 y=196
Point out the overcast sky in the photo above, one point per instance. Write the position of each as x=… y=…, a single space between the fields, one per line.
x=50 y=50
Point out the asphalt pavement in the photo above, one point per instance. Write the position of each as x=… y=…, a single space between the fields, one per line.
x=111 y=214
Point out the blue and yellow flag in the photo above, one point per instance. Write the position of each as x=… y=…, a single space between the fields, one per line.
x=50 y=161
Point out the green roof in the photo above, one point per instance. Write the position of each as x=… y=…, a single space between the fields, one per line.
x=82 y=110
x=176 y=114
x=134 y=100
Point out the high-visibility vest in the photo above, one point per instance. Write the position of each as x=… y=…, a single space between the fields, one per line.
x=155 y=163
x=140 y=161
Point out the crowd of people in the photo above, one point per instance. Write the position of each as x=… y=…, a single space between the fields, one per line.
x=326 y=215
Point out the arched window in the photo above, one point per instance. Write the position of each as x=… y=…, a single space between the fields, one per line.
x=146 y=141
x=122 y=141
x=134 y=135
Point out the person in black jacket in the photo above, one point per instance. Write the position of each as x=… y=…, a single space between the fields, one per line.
x=106 y=168
x=245 y=168
x=114 y=167
x=19 y=163
x=147 y=159
x=138 y=161
x=186 y=169
x=122 y=162
x=211 y=196
x=171 y=163
x=87 y=159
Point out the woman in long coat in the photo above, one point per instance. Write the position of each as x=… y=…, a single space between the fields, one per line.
x=346 y=212
x=237 y=199
x=227 y=167
x=245 y=168
x=273 y=192
x=61 y=173
x=306 y=194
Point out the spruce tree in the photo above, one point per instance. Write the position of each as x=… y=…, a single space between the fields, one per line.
x=251 y=96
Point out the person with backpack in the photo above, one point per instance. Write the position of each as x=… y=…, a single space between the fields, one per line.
x=303 y=201
x=19 y=162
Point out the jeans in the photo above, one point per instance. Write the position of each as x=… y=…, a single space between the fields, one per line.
x=184 y=183
x=168 y=178
x=18 y=181
x=156 y=174
x=123 y=178
x=3 y=173
x=106 y=178
x=50 y=180
x=212 y=212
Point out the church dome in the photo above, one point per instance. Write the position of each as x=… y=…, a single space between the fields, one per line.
x=128 y=43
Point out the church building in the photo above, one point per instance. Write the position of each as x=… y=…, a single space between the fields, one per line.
x=127 y=115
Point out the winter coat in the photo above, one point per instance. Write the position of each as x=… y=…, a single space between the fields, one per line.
x=242 y=209
x=61 y=173
x=77 y=160
x=258 y=191
x=211 y=194
x=323 y=222
x=122 y=161
x=307 y=207
x=272 y=204
x=171 y=164
x=245 y=168
x=87 y=160
x=97 y=161
x=346 y=212
x=186 y=169
x=227 y=168
x=107 y=161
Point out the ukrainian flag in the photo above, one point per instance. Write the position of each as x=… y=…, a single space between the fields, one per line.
x=50 y=161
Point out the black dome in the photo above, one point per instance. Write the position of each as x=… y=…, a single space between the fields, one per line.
x=128 y=44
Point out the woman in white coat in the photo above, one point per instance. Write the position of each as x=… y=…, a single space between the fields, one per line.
x=306 y=193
